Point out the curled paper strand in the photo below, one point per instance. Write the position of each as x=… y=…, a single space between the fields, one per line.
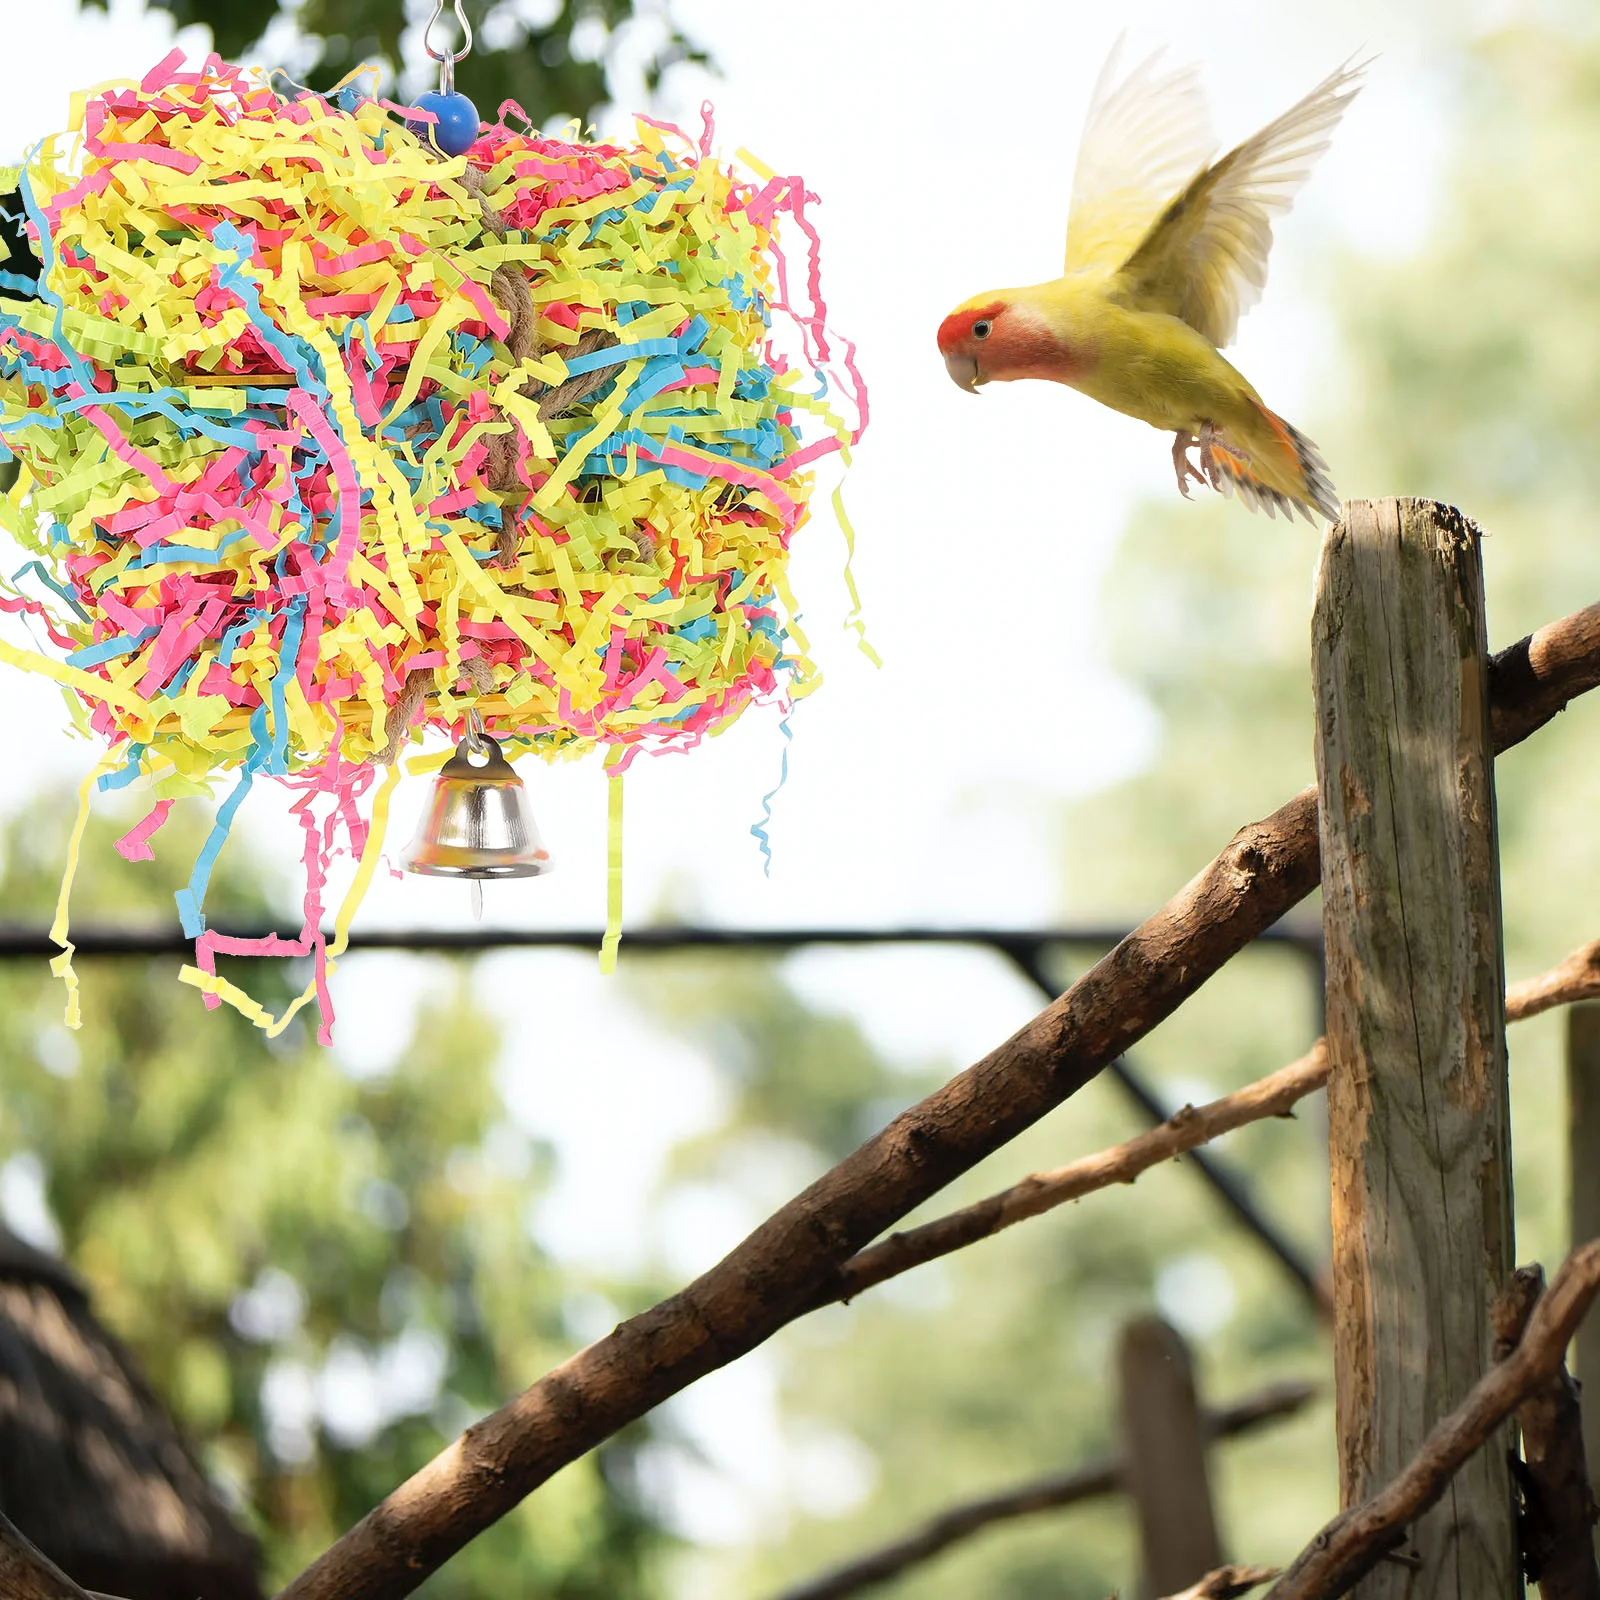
x=760 y=830
x=613 y=933
x=327 y=442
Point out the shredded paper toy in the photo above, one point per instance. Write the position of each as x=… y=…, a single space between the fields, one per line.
x=327 y=440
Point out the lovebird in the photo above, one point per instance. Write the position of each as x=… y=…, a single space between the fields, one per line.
x=1166 y=249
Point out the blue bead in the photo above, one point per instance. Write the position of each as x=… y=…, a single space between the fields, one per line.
x=456 y=131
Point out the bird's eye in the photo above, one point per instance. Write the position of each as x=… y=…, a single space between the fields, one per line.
x=980 y=328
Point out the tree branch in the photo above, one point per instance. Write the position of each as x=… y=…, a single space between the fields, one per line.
x=1228 y=1186
x=1272 y=1096
x=1089 y=1482
x=793 y=1260
x=1227 y=1582
x=26 y=1573
x=1355 y=1541
x=1575 y=978
x=1533 y=680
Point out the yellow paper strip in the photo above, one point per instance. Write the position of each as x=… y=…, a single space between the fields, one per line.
x=613 y=934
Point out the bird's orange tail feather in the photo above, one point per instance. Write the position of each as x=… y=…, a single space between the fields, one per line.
x=1278 y=469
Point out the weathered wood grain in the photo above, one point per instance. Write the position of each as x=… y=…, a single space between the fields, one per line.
x=1417 y=1096
x=1164 y=1444
x=1360 y=1537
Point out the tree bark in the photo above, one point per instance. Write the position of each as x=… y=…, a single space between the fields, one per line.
x=1417 y=1093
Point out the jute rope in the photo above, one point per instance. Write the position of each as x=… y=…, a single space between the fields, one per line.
x=509 y=285
x=404 y=711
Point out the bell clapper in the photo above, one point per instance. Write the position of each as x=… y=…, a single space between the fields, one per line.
x=477 y=899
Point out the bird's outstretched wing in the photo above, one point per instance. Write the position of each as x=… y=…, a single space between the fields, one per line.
x=1144 y=138
x=1205 y=257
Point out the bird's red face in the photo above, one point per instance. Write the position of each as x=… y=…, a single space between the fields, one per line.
x=996 y=338
x=969 y=339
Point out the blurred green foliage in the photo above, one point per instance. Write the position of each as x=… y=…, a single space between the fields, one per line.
x=327 y=1276
x=552 y=67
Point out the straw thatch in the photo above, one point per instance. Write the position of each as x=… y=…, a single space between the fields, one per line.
x=92 y=1469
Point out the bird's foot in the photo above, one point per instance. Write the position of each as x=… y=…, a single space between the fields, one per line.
x=1208 y=461
x=1182 y=444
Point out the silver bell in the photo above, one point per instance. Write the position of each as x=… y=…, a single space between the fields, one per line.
x=479 y=823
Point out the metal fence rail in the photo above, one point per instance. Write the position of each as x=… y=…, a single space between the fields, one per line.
x=1028 y=949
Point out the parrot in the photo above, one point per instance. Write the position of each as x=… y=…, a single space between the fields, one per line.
x=1166 y=249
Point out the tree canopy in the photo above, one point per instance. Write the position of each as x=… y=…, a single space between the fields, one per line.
x=553 y=67
x=327 y=1275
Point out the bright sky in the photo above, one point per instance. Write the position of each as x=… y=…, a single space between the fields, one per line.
x=940 y=137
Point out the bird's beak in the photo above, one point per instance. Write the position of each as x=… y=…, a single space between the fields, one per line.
x=963 y=371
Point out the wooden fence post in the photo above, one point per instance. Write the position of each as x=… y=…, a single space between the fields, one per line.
x=1417 y=1100
x=1583 y=1202
x=1164 y=1444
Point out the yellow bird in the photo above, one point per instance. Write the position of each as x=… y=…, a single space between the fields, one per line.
x=1165 y=251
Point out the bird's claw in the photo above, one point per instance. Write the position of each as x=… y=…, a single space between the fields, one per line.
x=1208 y=462
x=1182 y=444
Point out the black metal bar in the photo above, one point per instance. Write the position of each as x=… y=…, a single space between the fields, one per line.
x=1020 y=944
x=1229 y=1186
x=1024 y=947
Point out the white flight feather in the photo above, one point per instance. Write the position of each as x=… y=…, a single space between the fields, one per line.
x=1144 y=138
x=1205 y=260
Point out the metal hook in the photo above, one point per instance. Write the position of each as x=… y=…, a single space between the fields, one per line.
x=447 y=62
x=477 y=739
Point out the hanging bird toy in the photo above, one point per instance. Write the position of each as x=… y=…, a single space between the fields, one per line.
x=339 y=422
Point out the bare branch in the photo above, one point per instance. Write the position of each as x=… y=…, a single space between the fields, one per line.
x=1227 y=1582
x=1356 y=1540
x=26 y=1573
x=1577 y=978
x=1272 y=1096
x=792 y=1262
x=1089 y=1482
x=1532 y=681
